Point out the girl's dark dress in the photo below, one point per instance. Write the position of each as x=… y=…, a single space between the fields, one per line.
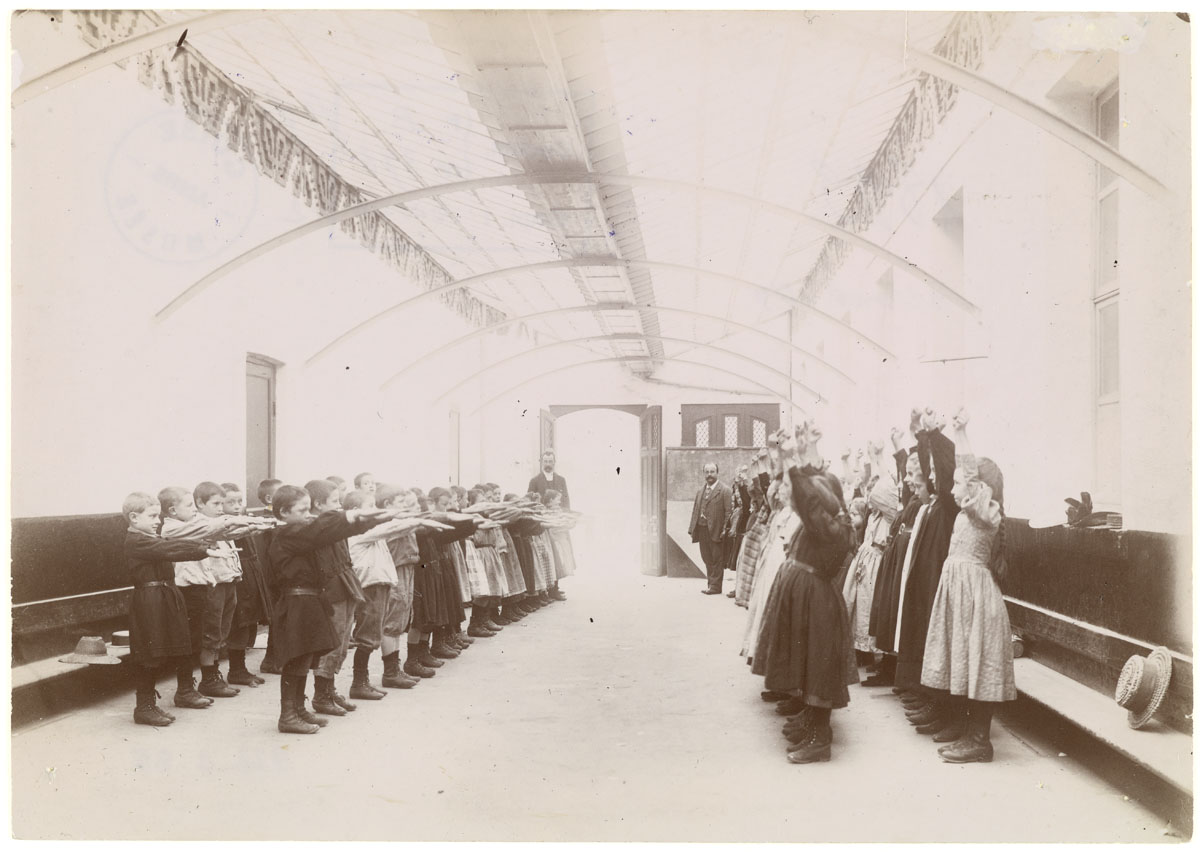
x=887 y=585
x=253 y=596
x=431 y=608
x=158 y=622
x=453 y=593
x=806 y=647
x=929 y=552
x=302 y=625
x=521 y=530
x=891 y=565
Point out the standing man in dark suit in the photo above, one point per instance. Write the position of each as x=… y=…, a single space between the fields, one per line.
x=714 y=503
x=548 y=479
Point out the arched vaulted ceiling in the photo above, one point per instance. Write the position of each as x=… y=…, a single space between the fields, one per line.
x=627 y=159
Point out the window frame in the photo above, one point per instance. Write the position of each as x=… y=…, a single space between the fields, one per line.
x=1106 y=293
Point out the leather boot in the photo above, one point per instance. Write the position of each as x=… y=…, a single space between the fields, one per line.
x=814 y=748
x=487 y=621
x=342 y=701
x=289 y=720
x=924 y=717
x=393 y=678
x=476 y=629
x=161 y=711
x=238 y=673
x=799 y=727
x=213 y=685
x=790 y=706
x=186 y=694
x=301 y=710
x=463 y=640
x=885 y=675
x=323 y=697
x=976 y=746
x=557 y=595
x=361 y=689
x=412 y=666
x=940 y=723
x=147 y=713
x=498 y=617
x=442 y=648
x=956 y=721
x=916 y=710
x=426 y=658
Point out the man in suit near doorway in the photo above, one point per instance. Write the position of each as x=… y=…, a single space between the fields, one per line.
x=548 y=479
x=714 y=502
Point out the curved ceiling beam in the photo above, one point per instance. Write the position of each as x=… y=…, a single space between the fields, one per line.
x=581 y=309
x=1026 y=110
x=686 y=386
x=575 y=262
x=1040 y=117
x=132 y=46
x=597 y=179
x=600 y=338
x=625 y=359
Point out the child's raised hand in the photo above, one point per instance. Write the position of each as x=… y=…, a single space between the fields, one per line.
x=789 y=446
x=961 y=418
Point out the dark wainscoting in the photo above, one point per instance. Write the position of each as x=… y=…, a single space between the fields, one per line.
x=1071 y=590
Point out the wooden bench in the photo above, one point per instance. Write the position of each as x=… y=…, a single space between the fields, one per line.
x=1161 y=749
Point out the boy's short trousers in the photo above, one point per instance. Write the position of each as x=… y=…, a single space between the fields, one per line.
x=397 y=616
x=343 y=624
x=368 y=617
x=218 y=616
x=195 y=598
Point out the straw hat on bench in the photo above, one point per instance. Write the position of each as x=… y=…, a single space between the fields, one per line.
x=91 y=650
x=1143 y=685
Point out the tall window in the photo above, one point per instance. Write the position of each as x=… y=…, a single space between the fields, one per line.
x=701 y=433
x=760 y=433
x=731 y=430
x=1107 y=306
x=260 y=423
x=454 y=422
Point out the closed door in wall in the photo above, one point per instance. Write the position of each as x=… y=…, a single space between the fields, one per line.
x=260 y=425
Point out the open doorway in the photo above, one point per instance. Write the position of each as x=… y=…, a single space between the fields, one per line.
x=597 y=451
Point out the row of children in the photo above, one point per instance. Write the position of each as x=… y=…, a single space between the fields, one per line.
x=917 y=580
x=376 y=567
